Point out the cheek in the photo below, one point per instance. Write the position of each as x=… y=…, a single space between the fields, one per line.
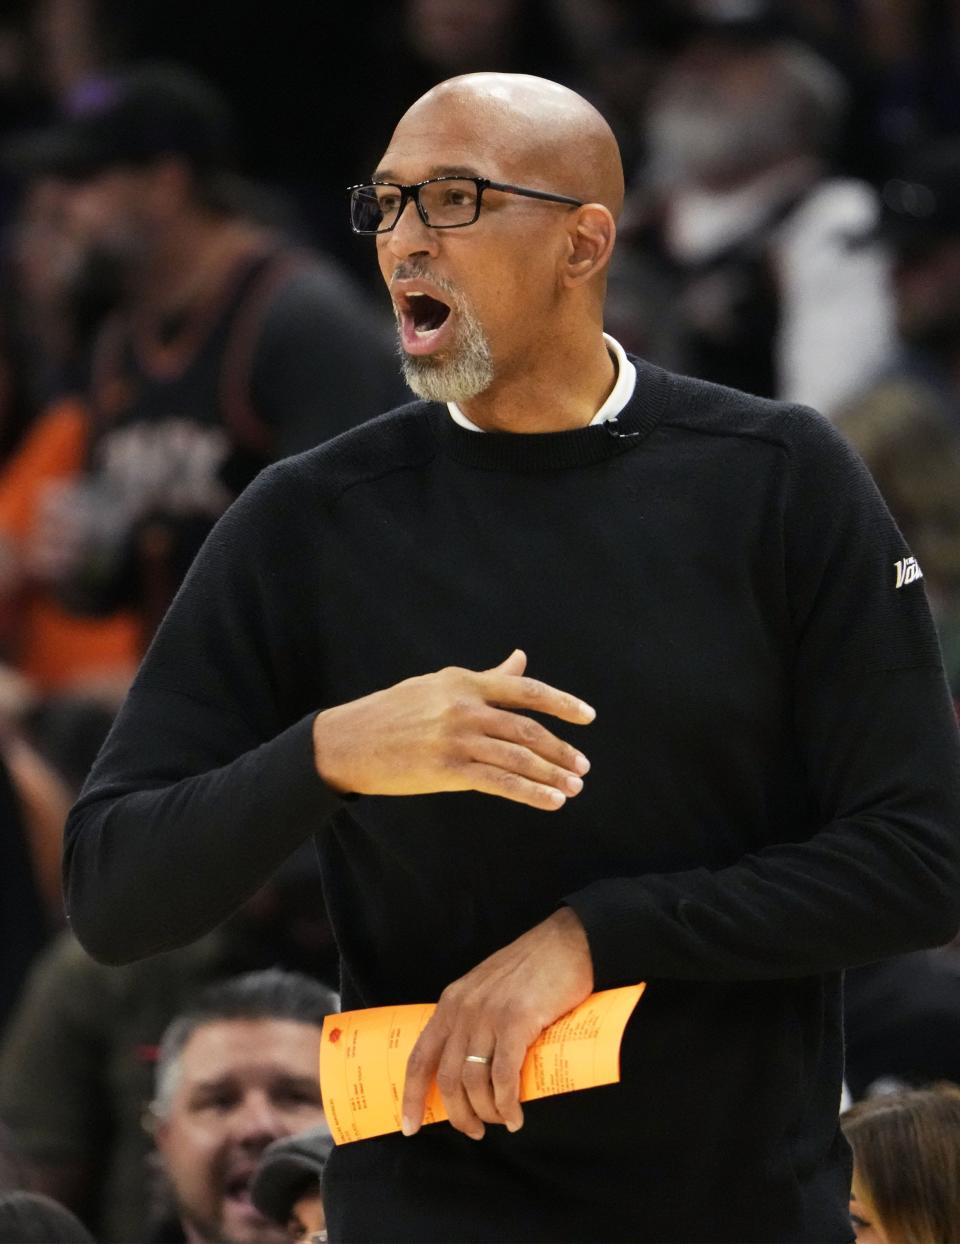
x=513 y=300
x=293 y=1119
x=385 y=260
x=190 y=1152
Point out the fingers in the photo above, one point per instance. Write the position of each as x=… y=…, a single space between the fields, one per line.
x=421 y=1069
x=464 y=1085
x=516 y=728
x=520 y=760
x=489 y=780
x=442 y=1055
x=515 y=664
x=505 y=1080
x=511 y=691
x=516 y=758
x=474 y=1093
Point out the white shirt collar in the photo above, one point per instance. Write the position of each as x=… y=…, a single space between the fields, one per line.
x=620 y=394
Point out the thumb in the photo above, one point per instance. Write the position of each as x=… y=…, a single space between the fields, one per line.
x=515 y=663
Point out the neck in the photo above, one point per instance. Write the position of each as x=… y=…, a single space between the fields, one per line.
x=189 y=257
x=560 y=390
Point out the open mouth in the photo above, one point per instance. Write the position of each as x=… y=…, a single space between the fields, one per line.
x=237 y=1188
x=236 y=1192
x=428 y=313
x=426 y=319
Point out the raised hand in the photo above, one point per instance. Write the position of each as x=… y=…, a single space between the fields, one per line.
x=455 y=729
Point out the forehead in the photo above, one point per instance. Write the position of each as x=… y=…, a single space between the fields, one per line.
x=250 y=1049
x=435 y=137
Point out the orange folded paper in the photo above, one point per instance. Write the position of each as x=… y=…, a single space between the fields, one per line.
x=363 y=1060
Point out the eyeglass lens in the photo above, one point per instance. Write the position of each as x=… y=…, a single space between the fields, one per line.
x=445 y=202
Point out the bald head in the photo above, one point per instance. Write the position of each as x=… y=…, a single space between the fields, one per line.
x=537 y=132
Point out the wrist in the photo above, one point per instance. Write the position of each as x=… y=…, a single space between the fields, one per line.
x=324 y=759
x=569 y=927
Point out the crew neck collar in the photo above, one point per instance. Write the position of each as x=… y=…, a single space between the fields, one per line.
x=550 y=451
x=617 y=398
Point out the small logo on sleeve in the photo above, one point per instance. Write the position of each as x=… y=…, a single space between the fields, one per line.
x=907 y=571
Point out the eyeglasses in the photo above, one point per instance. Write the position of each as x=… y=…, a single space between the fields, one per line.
x=442 y=202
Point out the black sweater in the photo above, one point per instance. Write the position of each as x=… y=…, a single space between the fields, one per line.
x=775 y=791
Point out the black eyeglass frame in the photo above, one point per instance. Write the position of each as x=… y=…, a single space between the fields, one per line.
x=482 y=183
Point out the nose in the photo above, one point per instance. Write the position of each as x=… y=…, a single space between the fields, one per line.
x=410 y=236
x=257 y=1121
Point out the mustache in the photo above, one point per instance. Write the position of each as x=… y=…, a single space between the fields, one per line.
x=410 y=271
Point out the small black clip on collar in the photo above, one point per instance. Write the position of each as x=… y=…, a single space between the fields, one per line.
x=613 y=429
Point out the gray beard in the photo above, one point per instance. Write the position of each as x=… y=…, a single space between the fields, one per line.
x=465 y=370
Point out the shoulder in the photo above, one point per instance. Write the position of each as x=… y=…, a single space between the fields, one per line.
x=701 y=408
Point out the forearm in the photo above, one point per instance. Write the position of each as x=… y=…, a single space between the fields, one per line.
x=220 y=833
x=881 y=877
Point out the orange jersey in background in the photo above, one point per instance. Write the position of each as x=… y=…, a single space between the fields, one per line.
x=54 y=649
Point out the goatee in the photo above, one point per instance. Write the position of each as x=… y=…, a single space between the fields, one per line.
x=459 y=372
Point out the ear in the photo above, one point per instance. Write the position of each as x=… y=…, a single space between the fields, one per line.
x=590 y=240
x=156 y=1127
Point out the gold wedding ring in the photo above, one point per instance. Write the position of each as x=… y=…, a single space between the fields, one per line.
x=478 y=1058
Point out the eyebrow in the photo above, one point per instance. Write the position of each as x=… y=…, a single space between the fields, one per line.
x=226 y=1081
x=229 y=1081
x=437 y=170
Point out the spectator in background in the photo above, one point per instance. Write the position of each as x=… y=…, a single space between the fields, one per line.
x=16 y=407
x=62 y=287
x=11 y=1168
x=30 y=1218
x=906 y=1167
x=230 y=350
x=901 y=1020
x=78 y=1060
x=34 y=800
x=23 y=925
x=288 y=1185
x=737 y=203
x=906 y=422
x=238 y=1070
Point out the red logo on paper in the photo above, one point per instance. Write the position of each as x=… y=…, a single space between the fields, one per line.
x=335 y=1035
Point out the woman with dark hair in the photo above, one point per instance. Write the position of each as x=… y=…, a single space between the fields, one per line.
x=906 y=1166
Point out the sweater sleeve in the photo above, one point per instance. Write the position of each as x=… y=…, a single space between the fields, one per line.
x=206 y=782
x=877 y=738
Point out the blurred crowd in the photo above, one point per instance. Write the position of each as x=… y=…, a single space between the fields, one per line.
x=182 y=302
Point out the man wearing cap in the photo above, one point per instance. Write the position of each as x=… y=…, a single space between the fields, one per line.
x=287 y=1186
x=616 y=684
x=231 y=348
x=236 y=1072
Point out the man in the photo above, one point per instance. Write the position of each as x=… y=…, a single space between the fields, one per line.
x=236 y=1071
x=288 y=1184
x=748 y=223
x=232 y=347
x=78 y=1057
x=906 y=422
x=774 y=790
